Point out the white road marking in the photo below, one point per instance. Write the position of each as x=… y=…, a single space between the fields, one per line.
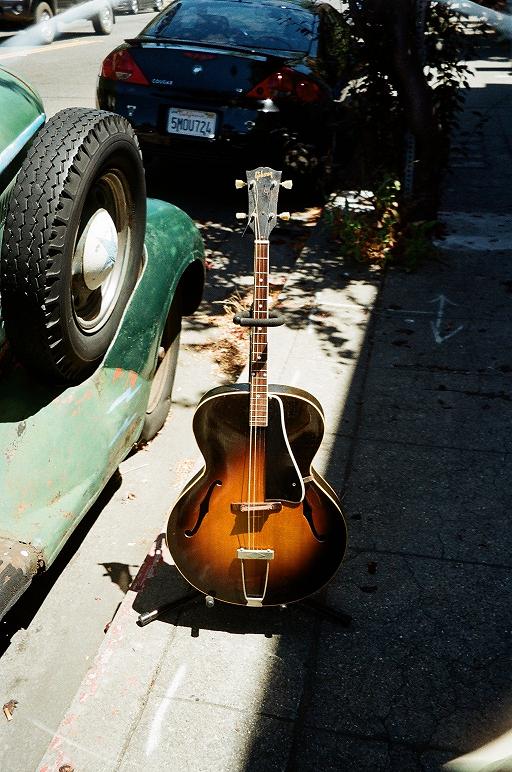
x=47 y=49
x=436 y=326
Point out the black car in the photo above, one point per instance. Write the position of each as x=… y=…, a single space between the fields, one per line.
x=256 y=80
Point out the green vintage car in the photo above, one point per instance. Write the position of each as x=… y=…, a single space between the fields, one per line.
x=94 y=280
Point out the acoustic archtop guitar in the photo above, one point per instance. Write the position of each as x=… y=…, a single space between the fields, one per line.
x=258 y=526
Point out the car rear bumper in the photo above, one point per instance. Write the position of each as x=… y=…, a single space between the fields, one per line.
x=223 y=150
x=241 y=130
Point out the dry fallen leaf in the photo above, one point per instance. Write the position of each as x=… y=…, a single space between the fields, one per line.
x=9 y=709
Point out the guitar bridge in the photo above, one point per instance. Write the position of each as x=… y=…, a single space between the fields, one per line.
x=256 y=508
x=245 y=554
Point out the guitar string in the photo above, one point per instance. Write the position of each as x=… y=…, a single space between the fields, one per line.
x=258 y=407
x=263 y=267
x=262 y=355
x=256 y=395
x=252 y=393
x=263 y=293
x=256 y=437
x=261 y=338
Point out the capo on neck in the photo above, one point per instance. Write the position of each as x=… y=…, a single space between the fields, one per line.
x=248 y=320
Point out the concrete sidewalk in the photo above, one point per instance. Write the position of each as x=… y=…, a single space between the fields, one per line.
x=414 y=373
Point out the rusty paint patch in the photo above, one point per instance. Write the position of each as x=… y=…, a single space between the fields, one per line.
x=89 y=394
x=21 y=428
x=65 y=399
x=132 y=377
x=117 y=373
x=55 y=498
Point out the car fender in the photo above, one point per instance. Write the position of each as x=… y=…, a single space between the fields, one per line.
x=60 y=445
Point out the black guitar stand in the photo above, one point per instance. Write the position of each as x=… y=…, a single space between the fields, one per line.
x=174 y=605
x=323 y=611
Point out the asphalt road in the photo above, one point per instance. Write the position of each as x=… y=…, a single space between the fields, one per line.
x=65 y=72
x=49 y=639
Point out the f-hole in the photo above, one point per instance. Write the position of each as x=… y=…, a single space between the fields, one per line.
x=203 y=509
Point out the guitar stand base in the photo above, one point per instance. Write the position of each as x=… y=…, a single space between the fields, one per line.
x=191 y=597
x=149 y=616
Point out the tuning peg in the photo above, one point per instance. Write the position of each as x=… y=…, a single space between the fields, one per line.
x=288 y=184
x=284 y=216
x=240 y=184
x=241 y=215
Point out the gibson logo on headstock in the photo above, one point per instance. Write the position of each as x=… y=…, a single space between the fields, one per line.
x=260 y=174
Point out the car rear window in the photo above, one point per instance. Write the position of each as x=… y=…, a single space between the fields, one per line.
x=247 y=25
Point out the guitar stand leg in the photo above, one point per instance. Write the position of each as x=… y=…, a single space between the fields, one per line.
x=327 y=611
x=149 y=616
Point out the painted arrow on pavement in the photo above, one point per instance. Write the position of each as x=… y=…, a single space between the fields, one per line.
x=439 y=338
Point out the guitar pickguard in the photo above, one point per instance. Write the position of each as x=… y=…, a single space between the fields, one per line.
x=283 y=480
x=308 y=514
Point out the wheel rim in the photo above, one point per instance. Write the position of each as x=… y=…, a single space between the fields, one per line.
x=167 y=357
x=106 y=18
x=45 y=26
x=159 y=378
x=101 y=255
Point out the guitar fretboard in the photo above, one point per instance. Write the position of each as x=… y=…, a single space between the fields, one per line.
x=258 y=357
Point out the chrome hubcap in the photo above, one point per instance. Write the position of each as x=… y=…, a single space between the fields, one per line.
x=101 y=255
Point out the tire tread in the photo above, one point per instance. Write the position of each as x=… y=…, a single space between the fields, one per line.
x=35 y=229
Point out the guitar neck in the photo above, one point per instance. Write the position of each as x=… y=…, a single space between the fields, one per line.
x=259 y=346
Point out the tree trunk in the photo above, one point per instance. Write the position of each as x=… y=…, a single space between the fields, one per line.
x=390 y=27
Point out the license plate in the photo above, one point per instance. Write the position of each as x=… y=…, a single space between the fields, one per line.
x=191 y=123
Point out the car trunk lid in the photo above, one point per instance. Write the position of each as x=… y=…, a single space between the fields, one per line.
x=211 y=74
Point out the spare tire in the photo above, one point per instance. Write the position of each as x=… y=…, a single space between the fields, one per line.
x=73 y=242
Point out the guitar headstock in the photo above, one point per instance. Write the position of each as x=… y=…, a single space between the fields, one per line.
x=263 y=190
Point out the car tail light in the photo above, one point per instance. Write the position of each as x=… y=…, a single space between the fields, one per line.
x=287 y=82
x=120 y=65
